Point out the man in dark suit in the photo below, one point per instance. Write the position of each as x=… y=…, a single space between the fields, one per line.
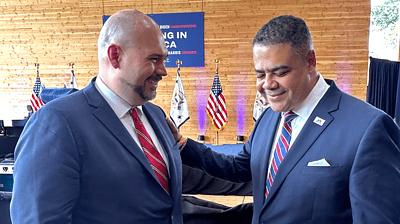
x=83 y=159
x=335 y=160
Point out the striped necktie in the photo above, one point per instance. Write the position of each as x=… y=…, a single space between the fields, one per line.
x=281 y=149
x=149 y=149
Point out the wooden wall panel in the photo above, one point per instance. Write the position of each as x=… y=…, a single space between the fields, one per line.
x=56 y=32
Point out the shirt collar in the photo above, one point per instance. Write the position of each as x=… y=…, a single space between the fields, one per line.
x=311 y=101
x=117 y=104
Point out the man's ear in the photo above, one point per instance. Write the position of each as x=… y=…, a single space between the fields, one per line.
x=312 y=60
x=113 y=54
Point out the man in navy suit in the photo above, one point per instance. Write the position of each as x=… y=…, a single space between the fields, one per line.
x=80 y=159
x=342 y=164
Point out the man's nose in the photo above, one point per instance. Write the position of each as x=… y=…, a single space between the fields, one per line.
x=161 y=70
x=269 y=82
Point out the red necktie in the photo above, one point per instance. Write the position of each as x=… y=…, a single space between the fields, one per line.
x=281 y=149
x=154 y=157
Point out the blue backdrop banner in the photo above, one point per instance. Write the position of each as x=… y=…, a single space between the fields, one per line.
x=184 y=37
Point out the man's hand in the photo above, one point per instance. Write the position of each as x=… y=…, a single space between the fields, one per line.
x=174 y=129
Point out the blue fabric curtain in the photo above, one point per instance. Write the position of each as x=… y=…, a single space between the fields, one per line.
x=382 y=91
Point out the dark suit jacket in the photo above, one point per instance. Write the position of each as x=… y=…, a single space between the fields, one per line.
x=77 y=163
x=361 y=185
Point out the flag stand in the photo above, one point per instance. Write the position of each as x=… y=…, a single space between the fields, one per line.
x=216 y=106
x=179 y=112
x=217 y=61
x=36 y=101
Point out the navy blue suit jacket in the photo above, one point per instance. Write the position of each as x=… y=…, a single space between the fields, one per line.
x=77 y=163
x=361 y=185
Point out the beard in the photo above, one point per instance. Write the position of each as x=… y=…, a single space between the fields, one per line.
x=147 y=95
x=142 y=93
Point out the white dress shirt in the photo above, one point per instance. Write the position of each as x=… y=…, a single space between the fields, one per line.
x=121 y=109
x=303 y=111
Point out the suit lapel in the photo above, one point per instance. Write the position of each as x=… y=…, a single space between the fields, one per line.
x=161 y=133
x=308 y=135
x=104 y=113
x=261 y=150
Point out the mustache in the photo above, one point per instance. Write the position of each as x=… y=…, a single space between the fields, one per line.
x=272 y=92
x=155 y=77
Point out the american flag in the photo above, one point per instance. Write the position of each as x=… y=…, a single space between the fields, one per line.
x=216 y=107
x=36 y=102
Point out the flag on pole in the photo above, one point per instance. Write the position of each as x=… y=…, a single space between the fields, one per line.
x=216 y=107
x=72 y=82
x=260 y=105
x=36 y=102
x=179 y=112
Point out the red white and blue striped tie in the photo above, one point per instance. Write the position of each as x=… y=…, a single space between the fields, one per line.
x=281 y=149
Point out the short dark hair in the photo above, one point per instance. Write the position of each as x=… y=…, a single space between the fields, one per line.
x=286 y=29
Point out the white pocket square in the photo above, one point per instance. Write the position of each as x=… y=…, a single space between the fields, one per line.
x=321 y=162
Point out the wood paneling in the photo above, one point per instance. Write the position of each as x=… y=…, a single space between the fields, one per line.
x=56 y=32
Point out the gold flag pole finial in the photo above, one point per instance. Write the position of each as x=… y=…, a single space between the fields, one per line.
x=178 y=62
x=72 y=67
x=216 y=61
x=37 y=69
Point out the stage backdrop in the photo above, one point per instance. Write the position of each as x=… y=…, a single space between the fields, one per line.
x=184 y=37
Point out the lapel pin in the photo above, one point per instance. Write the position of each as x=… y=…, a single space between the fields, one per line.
x=319 y=121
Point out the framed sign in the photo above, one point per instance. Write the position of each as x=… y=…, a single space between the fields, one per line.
x=184 y=37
